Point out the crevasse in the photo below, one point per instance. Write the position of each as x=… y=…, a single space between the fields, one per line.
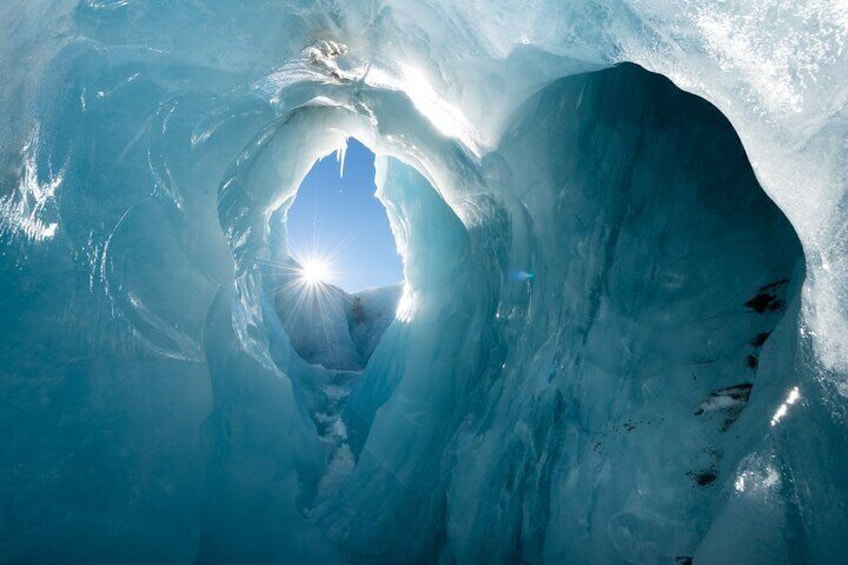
x=622 y=332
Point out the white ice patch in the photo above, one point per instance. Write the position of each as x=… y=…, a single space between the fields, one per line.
x=759 y=476
x=783 y=409
x=25 y=211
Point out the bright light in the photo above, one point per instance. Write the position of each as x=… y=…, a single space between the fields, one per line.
x=406 y=306
x=448 y=119
x=791 y=399
x=314 y=271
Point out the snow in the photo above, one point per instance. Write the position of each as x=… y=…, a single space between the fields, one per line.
x=590 y=260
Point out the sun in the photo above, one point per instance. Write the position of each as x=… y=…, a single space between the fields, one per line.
x=314 y=271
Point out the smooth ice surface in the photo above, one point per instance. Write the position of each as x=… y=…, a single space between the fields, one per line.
x=622 y=335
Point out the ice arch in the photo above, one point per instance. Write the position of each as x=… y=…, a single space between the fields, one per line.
x=146 y=412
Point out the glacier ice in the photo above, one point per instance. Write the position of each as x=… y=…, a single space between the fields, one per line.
x=622 y=335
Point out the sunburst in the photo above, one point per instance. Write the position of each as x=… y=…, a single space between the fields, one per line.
x=315 y=271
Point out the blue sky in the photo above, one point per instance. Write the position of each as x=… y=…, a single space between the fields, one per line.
x=340 y=221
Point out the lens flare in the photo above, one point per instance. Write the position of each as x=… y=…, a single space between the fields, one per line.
x=315 y=271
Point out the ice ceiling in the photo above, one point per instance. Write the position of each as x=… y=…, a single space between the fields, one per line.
x=623 y=333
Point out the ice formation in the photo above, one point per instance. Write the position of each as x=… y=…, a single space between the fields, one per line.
x=623 y=332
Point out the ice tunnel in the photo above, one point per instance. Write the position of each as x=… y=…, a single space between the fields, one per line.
x=620 y=336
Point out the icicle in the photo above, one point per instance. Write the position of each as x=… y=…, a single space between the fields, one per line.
x=340 y=155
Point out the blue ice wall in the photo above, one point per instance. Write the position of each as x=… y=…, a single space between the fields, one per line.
x=610 y=347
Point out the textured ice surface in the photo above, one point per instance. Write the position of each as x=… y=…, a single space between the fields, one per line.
x=611 y=346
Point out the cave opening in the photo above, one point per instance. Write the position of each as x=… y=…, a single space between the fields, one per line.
x=337 y=229
x=343 y=278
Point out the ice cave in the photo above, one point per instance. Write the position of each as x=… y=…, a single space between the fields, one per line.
x=620 y=334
